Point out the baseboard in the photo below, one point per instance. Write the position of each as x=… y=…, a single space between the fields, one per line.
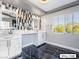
x=27 y=45
x=33 y=44
x=62 y=46
x=16 y=57
x=41 y=45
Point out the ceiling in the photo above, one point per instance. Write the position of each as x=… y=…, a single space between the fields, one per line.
x=23 y=4
x=52 y=4
x=42 y=9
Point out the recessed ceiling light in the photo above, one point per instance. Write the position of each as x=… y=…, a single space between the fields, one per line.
x=44 y=1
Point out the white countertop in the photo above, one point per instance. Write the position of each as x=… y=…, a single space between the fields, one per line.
x=28 y=31
x=6 y=36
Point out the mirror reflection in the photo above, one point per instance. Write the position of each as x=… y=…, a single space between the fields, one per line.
x=8 y=20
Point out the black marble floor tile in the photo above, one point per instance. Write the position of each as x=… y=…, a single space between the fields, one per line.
x=55 y=51
x=48 y=51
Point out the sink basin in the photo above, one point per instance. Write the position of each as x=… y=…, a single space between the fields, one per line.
x=4 y=35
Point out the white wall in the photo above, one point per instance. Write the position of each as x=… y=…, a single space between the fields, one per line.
x=68 y=40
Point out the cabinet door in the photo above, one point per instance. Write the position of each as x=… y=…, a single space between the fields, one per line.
x=3 y=49
x=15 y=48
x=41 y=38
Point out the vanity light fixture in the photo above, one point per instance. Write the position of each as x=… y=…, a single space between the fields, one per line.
x=44 y=1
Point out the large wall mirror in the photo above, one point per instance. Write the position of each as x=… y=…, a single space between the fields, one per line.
x=12 y=17
x=8 y=20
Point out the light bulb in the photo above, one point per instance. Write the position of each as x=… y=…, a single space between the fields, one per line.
x=43 y=1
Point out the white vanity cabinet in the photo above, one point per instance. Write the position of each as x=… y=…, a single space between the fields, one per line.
x=10 y=46
x=4 y=49
x=41 y=37
x=15 y=46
